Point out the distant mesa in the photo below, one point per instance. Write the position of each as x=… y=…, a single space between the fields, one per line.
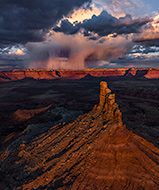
x=149 y=73
x=95 y=151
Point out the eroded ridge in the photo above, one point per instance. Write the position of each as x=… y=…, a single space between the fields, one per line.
x=95 y=151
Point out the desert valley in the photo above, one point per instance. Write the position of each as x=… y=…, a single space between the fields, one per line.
x=68 y=130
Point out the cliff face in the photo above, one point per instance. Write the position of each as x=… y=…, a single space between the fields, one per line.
x=150 y=73
x=21 y=74
x=95 y=151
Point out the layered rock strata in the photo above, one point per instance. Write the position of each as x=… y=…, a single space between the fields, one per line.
x=149 y=73
x=95 y=151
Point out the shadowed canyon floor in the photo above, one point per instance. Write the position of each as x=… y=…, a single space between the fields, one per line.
x=138 y=99
x=95 y=151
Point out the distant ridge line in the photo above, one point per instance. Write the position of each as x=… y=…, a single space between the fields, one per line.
x=38 y=74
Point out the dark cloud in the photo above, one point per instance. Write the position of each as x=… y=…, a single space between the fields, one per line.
x=104 y=24
x=11 y=62
x=86 y=33
x=67 y=27
x=151 y=41
x=139 y=56
x=149 y=36
x=25 y=21
x=93 y=38
x=139 y=61
x=102 y=40
x=144 y=49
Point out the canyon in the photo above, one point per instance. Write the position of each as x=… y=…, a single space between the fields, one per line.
x=148 y=73
x=94 y=151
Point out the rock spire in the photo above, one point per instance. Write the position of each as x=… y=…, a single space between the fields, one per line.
x=107 y=104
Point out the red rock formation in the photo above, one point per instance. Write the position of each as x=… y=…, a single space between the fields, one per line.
x=132 y=72
x=21 y=74
x=21 y=116
x=72 y=74
x=152 y=74
x=96 y=151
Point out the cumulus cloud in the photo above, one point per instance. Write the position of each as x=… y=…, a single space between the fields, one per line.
x=67 y=27
x=103 y=25
x=24 y=21
x=150 y=35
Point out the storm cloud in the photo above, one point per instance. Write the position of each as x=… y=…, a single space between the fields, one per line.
x=75 y=52
x=150 y=35
x=24 y=21
x=148 y=41
x=104 y=24
x=63 y=34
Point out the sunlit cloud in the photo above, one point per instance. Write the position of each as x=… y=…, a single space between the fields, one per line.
x=81 y=14
x=150 y=34
x=103 y=25
x=18 y=52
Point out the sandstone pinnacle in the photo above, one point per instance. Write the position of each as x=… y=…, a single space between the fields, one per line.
x=107 y=104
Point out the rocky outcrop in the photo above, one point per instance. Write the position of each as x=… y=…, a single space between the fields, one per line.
x=21 y=116
x=149 y=73
x=95 y=151
x=152 y=73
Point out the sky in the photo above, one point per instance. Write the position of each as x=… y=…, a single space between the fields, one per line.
x=78 y=34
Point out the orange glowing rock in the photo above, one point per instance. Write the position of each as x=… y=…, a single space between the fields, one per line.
x=38 y=74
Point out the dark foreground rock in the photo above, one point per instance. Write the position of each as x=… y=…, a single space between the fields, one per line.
x=21 y=116
x=95 y=151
